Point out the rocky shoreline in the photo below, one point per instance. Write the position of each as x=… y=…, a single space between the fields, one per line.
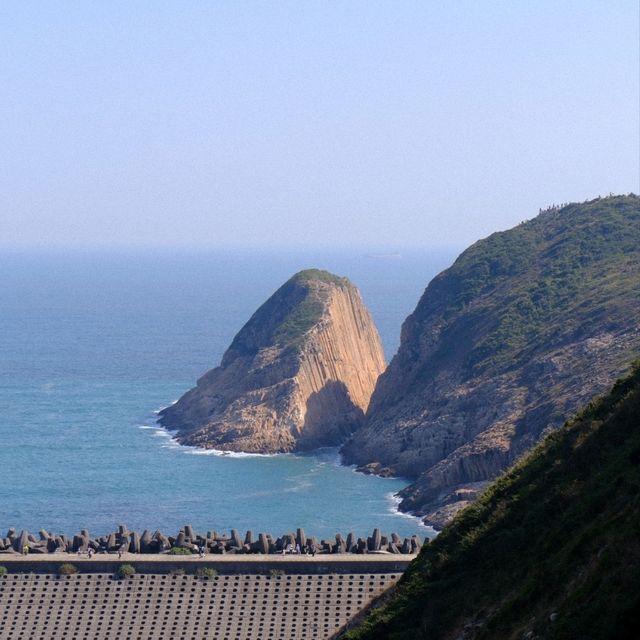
x=525 y=327
x=188 y=542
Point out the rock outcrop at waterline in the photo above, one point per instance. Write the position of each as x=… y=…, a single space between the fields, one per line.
x=526 y=326
x=298 y=375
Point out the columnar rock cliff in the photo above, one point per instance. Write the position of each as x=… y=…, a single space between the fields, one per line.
x=298 y=375
x=525 y=327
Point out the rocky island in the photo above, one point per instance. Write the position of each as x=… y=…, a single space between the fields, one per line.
x=298 y=375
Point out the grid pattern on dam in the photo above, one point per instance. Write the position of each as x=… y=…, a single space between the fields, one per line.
x=156 y=607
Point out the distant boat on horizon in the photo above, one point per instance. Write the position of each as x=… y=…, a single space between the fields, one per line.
x=391 y=255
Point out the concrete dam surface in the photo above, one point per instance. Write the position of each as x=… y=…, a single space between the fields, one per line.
x=253 y=597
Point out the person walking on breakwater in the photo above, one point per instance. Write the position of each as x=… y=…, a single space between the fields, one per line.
x=25 y=550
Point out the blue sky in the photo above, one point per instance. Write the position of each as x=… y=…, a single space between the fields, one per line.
x=309 y=123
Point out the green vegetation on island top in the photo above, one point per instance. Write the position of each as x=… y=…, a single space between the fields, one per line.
x=551 y=550
x=288 y=314
x=544 y=282
x=301 y=318
x=309 y=310
x=306 y=275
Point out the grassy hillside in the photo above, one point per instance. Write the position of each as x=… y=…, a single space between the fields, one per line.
x=551 y=550
x=567 y=273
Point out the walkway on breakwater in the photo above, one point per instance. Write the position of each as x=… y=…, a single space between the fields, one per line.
x=208 y=559
x=223 y=564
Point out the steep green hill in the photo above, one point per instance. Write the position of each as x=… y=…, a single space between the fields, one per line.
x=521 y=331
x=554 y=278
x=551 y=550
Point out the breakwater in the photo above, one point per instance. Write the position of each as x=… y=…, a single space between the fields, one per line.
x=189 y=542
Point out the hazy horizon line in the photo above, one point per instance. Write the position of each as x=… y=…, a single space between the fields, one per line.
x=381 y=249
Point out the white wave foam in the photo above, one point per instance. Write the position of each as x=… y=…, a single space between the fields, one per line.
x=300 y=482
x=158 y=431
x=395 y=500
x=301 y=486
x=157 y=411
x=198 y=451
x=162 y=432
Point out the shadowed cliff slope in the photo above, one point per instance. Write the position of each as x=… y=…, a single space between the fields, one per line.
x=524 y=328
x=551 y=550
x=298 y=375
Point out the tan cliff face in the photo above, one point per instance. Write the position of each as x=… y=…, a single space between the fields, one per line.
x=299 y=374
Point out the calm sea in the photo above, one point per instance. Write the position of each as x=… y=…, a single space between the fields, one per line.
x=93 y=343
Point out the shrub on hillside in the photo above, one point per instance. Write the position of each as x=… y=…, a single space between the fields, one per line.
x=67 y=569
x=180 y=551
x=125 y=571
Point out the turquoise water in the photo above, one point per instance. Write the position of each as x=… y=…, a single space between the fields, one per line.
x=93 y=343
